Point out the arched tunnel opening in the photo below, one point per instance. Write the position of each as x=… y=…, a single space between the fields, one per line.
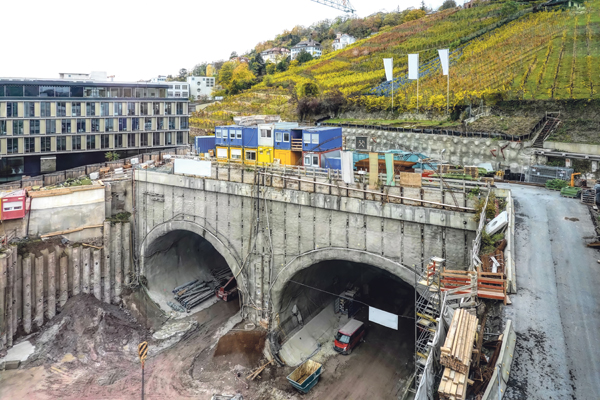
x=178 y=258
x=310 y=316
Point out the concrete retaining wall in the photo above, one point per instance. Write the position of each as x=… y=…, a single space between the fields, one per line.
x=34 y=287
x=581 y=148
x=497 y=386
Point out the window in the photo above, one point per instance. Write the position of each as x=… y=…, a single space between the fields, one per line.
x=130 y=108
x=265 y=133
x=45 y=109
x=171 y=122
x=29 y=109
x=148 y=124
x=156 y=139
x=109 y=125
x=144 y=139
x=80 y=125
x=12 y=109
x=169 y=94
x=167 y=108
x=217 y=133
x=231 y=134
x=34 y=126
x=184 y=123
x=278 y=136
x=105 y=141
x=315 y=160
x=179 y=137
x=118 y=141
x=177 y=87
x=17 y=127
x=76 y=110
x=144 y=109
x=66 y=126
x=12 y=145
x=14 y=90
x=180 y=108
x=236 y=154
x=250 y=155
x=90 y=109
x=122 y=124
x=29 y=145
x=160 y=124
x=32 y=91
x=75 y=142
x=90 y=142
x=184 y=94
x=45 y=144
x=131 y=140
x=61 y=109
x=50 y=126
x=315 y=138
x=135 y=124
x=95 y=125
x=61 y=143
x=168 y=138
x=156 y=108
x=286 y=136
x=104 y=109
x=12 y=206
x=238 y=134
x=2 y=127
x=118 y=108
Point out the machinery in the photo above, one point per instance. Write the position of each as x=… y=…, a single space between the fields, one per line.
x=573 y=178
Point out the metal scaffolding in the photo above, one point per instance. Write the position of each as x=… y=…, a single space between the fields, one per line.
x=343 y=5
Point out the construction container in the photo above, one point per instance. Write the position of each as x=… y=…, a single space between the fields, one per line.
x=265 y=154
x=222 y=153
x=306 y=376
x=221 y=136
x=250 y=155
x=204 y=144
x=266 y=132
x=543 y=173
x=285 y=136
x=321 y=138
x=250 y=136
x=288 y=157
x=325 y=159
x=236 y=154
x=15 y=204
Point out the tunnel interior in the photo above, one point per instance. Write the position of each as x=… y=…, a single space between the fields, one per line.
x=176 y=258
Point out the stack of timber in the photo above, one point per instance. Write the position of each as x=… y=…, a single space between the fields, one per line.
x=453 y=385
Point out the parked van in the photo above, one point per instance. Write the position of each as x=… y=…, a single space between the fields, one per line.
x=348 y=337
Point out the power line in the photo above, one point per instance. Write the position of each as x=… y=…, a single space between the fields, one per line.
x=343 y=297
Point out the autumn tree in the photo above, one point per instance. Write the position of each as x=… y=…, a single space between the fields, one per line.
x=242 y=78
x=304 y=56
x=448 y=4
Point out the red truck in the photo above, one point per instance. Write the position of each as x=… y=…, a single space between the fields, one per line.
x=349 y=336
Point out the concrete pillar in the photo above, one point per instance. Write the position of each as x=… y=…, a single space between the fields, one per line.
x=117 y=261
x=107 y=200
x=97 y=260
x=3 y=305
x=15 y=282
x=64 y=282
x=85 y=268
x=18 y=293
x=76 y=265
x=107 y=261
x=9 y=299
x=27 y=286
x=126 y=232
x=51 y=296
x=39 y=292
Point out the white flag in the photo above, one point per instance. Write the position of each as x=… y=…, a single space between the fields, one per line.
x=388 y=65
x=444 y=60
x=413 y=66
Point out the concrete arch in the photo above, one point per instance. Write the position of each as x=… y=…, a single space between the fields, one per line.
x=203 y=231
x=313 y=257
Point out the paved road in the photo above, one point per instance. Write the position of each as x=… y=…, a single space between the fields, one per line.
x=557 y=308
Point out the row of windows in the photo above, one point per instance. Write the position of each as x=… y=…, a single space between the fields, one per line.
x=80 y=125
x=265 y=133
x=17 y=90
x=91 y=109
x=146 y=139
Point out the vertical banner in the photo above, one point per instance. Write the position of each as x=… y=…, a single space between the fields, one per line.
x=389 y=169
x=388 y=65
x=347 y=167
x=373 y=169
x=443 y=53
x=413 y=66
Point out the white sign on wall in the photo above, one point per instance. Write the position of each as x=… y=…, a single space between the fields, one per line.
x=192 y=167
x=383 y=318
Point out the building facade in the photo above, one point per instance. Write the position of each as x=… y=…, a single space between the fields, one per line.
x=275 y=54
x=201 y=87
x=310 y=46
x=342 y=40
x=78 y=121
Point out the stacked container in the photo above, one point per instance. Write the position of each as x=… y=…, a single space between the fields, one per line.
x=322 y=147
x=266 y=140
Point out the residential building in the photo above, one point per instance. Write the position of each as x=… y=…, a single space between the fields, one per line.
x=310 y=46
x=178 y=89
x=78 y=121
x=342 y=40
x=201 y=87
x=160 y=78
x=94 y=75
x=275 y=54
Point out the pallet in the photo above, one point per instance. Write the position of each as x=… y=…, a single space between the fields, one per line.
x=458 y=347
x=588 y=196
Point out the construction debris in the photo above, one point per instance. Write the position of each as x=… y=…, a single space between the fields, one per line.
x=193 y=293
x=458 y=347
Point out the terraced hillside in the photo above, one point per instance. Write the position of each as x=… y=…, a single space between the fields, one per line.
x=494 y=55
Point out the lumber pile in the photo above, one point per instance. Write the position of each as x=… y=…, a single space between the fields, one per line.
x=458 y=347
x=453 y=385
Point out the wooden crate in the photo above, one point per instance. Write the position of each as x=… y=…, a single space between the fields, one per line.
x=471 y=170
x=410 y=179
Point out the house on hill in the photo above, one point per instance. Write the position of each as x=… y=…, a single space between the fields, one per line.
x=275 y=54
x=310 y=46
x=342 y=40
x=562 y=4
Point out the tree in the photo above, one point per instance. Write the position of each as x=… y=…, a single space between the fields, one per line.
x=414 y=14
x=200 y=69
x=271 y=68
x=242 y=78
x=304 y=56
x=283 y=65
x=309 y=89
x=226 y=73
x=423 y=6
x=233 y=55
x=182 y=75
x=448 y=4
x=111 y=156
x=334 y=102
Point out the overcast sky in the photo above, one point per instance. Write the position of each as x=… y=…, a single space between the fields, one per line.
x=135 y=39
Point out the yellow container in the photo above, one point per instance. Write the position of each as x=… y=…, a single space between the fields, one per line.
x=222 y=153
x=265 y=155
x=250 y=154
x=288 y=157
x=236 y=154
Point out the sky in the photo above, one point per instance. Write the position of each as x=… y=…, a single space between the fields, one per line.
x=137 y=40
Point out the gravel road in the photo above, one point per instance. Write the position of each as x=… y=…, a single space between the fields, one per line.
x=557 y=308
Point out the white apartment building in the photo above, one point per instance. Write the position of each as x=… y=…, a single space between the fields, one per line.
x=342 y=40
x=275 y=54
x=178 y=89
x=310 y=46
x=201 y=87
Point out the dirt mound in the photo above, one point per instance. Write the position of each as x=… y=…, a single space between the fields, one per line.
x=91 y=331
x=242 y=347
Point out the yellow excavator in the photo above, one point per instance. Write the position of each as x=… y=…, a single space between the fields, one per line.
x=573 y=178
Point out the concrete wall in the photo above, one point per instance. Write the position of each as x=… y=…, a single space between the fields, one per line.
x=460 y=151
x=34 y=287
x=296 y=229
x=581 y=148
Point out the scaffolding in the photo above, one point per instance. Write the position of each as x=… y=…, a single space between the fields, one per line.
x=427 y=313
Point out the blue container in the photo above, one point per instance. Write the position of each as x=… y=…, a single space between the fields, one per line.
x=321 y=138
x=308 y=382
x=222 y=136
x=250 y=136
x=204 y=144
x=284 y=137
